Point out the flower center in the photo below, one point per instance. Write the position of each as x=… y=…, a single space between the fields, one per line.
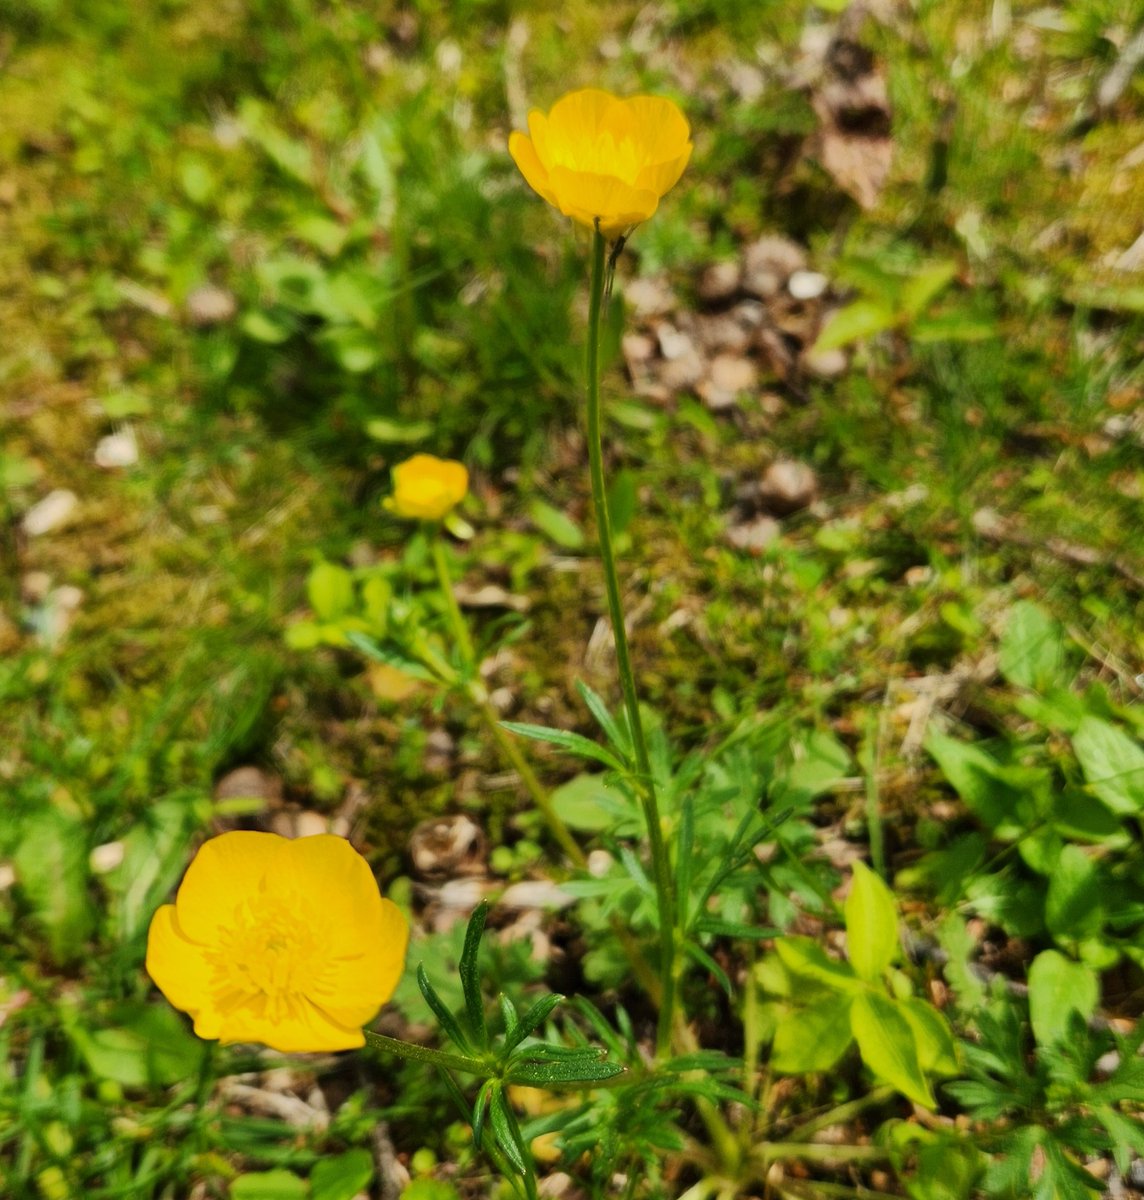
x=276 y=951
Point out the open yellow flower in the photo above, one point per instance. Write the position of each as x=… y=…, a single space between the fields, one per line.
x=426 y=488
x=287 y=943
x=599 y=158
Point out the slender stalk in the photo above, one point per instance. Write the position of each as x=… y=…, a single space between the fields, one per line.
x=437 y=1058
x=533 y=785
x=445 y=581
x=818 y=1152
x=660 y=864
x=840 y=1114
x=512 y=752
x=490 y=716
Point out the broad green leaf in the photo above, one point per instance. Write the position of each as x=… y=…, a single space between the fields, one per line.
x=821 y=763
x=1076 y=818
x=862 y=319
x=1031 y=653
x=154 y=855
x=269 y=1185
x=871 y=924
x=888 y=1047
x=146 y=1045
x=977 y=778
x=263 y=327
x=398 y=433
x=556 y=525
x=937 y=1049
x=1113 y=764
x=925 y=285
x=1058 y=987
x=804 y=957
x=587 y=803
x=341 y=1177
x=51 y=867
x=812 y=1037
x=1074 y=907
x=331 y=590
x=430 y=1189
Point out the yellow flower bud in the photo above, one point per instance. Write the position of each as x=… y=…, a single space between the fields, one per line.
x=427 y=488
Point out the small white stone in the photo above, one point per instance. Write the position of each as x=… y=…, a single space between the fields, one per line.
x=825 y=364
x=54 y=510
x=599 y=863
x=719 y=282
x=754 y=536
x=117 y=450
x=787 y=486
x=106 y=857
x=807 y=285
x=672 y=343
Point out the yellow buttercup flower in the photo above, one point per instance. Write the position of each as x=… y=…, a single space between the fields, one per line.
x=426 y=488
x=602 y=159
x=287 y=943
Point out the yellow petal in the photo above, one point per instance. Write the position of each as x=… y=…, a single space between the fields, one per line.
x=538 y=128
x=177 y=965
x=661 y=128
x=223 y=873
x=591 y=131
x=303 y=1028
x=524 y=154
x=661 y=177
x=588 y=197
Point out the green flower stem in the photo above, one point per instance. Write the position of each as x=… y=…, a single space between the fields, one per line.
x=425 y=1054
x=534 y=787
x=660 y=864
x=516 y=758
x=453 y=609
x=489 y=715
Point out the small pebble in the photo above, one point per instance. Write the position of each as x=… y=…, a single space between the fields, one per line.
x=106 y=857
x=53 y=511
x=210 y=305
x=788 y=486
x=727 y=377
x=769 y=263
x=807 y=285
x=638 y=348
x=116 y=450
x=719 y=282
x=649 y=297
x=754 y=536
x=825 y=364
x=683 y=373
x=672 y=343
